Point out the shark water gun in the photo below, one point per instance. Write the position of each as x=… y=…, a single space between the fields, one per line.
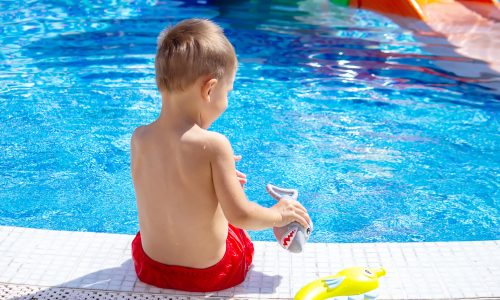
x=293 y=236
x=356 y=283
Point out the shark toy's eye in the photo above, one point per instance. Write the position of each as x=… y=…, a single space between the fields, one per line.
x=308 y=230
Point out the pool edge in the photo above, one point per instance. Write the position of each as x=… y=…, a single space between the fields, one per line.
x=49 y=260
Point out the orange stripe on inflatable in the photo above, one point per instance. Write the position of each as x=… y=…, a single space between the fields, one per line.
x=407 y=8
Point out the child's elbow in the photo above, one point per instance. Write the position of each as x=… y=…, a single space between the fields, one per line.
x=239 y=218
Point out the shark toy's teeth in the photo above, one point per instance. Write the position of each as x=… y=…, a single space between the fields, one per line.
x=288 y=238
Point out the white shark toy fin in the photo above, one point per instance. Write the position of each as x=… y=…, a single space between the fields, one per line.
x=278 y=193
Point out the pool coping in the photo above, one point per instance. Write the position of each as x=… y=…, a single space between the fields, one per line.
x=45 y=263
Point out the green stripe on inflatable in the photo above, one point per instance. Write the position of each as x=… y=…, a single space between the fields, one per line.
x=340 y=2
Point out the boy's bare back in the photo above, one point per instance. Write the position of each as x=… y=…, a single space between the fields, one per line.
x=180 y=218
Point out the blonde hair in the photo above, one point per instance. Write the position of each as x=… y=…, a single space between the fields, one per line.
x=189 y=50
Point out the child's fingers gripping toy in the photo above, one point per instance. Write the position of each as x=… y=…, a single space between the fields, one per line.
x=293 y=236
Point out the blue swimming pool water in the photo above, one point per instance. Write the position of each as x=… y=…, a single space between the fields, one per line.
x=388 y=134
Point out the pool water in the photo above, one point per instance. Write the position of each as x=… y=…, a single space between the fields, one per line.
x=388 y=134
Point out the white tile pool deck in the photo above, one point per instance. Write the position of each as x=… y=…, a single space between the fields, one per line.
x=45 y=264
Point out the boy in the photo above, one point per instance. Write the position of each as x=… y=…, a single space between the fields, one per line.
x=189 y=195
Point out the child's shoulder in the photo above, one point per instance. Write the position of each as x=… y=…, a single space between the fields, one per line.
x=139 y=134
x=139 y=131
x=136 y=139
x=216 y=143
x=143 y=137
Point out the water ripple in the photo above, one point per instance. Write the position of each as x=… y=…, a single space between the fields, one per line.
x=389 y=132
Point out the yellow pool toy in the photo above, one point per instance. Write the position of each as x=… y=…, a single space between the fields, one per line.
x=351 y=283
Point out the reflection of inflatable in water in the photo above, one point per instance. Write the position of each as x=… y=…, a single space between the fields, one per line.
x=471 y=27
x=408 y=8
x=351 y=283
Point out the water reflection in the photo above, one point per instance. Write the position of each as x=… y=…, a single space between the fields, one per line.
x=363 y=113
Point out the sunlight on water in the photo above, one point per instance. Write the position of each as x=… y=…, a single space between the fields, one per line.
x=389 y=134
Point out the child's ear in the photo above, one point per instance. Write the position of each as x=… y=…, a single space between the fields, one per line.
x=207 y=88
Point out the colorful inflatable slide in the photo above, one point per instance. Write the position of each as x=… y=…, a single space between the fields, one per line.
x=416 y=8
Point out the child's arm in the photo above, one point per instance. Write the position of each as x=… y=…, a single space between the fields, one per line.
x=238 y=210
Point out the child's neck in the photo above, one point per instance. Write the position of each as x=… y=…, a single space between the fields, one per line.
x=180 y=110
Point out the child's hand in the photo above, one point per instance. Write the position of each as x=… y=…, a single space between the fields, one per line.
x=291 y=210
x=242 y=178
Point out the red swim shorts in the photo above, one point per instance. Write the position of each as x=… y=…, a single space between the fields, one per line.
x=228 y=272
